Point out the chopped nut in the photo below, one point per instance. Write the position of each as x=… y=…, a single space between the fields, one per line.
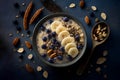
x=39 y=68
x=103 y=16
x=53 y=55
x=93 y=8
x=101 y=60
x=72 y=5
x=30 y=56
x=49 y=52
x=20 y=50
x=45 y=74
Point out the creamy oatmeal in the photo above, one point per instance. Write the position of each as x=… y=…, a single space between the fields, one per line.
x=60 y=40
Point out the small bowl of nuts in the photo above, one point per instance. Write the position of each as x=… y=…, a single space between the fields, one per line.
x=100 y=33
x=59 y=40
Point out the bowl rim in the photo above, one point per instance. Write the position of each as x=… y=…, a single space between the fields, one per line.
x=35 y=32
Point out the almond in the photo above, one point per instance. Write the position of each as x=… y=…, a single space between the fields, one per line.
x=16 y=41
x=87 y=20
x=82 y=3
x=53 y=55
x=29 y=68
x=28 y=45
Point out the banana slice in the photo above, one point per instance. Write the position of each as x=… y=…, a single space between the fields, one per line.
x=73 y=52
x=60 y=28
x=69 y=45
x=55 y=24
x=62 y=35
x=67 y=40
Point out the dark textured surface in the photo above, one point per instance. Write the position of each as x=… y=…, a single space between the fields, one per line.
x=12 y=69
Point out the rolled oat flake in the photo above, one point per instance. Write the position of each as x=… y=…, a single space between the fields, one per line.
x=103 y=16
x=39 y=68
x=72 y=5
x=93 y=8
x=45 y=74
x=20 y=50
x=30 y=56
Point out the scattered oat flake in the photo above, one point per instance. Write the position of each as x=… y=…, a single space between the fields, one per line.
x=20 y=50
x=39 y=68
x=103 y=16
x=105 y=53
x=30 y=56
x=101 y=60
x=105 y=75
x=98 y=69
x=45 y=74
x=93 y=8
x=72 y=5
x=23 y=4
x=22 y=35
x=10 y=34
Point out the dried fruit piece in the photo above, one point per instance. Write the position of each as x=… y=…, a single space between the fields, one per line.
x=82 y=3
x=27 y=12
x=35 y=15
x=93 y=8
x=39 y=68
x=29 y=68
x=45 y=74
x=87 y=20
x=20 y=50
x=101 y=60
x=103 y=16
x=72 y=5
x=16 y=41
x=28 y=45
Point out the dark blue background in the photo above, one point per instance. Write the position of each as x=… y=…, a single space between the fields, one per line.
x=12 y=69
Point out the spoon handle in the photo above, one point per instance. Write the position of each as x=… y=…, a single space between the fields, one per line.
x=82 y=67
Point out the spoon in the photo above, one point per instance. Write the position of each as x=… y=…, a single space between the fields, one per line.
x=100 y=33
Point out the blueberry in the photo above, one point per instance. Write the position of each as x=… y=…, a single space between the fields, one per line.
x=44 y=55
x=53 y=34
x=69 y=58
x=60 y=57
x=48 y=31
x=21 y=13
x=92 y=14
x=18 y=28
x=16 y=5
x=44 y=46
x=53 y=40
x=44 y=39
x=77 y=37
x=50 y=60
x=21 y=56
x=66 y=19
x=42 y=28
x=57 y=44
x=50 y=21
x=28 y=32
x=80 y=46
x=49 y=36
x=15 y=22
x=62 y=49
x=52 y=46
